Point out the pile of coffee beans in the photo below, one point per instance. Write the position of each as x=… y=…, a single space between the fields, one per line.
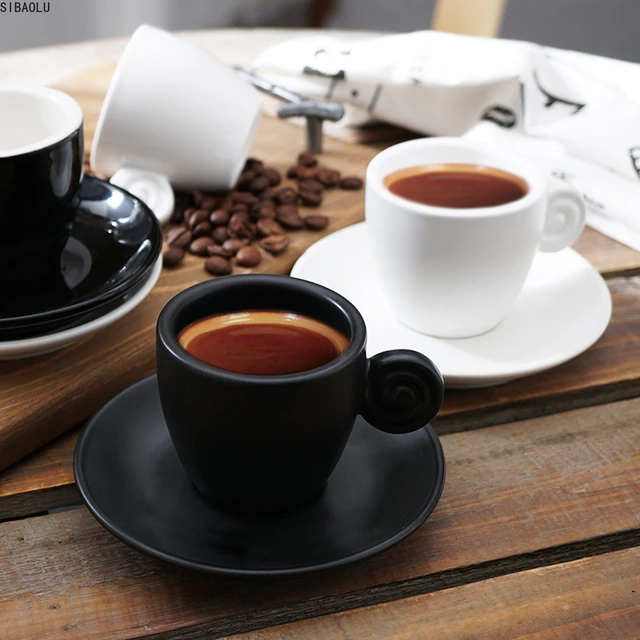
x=234 y=228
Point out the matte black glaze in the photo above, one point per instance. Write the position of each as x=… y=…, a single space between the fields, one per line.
x=269 y=443
x=38 y=196
x=114 y=242
x=127 y=470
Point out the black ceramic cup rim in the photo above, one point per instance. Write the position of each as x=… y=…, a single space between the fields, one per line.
x=167 y=330
x=69 y=111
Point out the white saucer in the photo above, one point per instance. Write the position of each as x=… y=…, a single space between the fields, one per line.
x=563 y=309
x=18 y=349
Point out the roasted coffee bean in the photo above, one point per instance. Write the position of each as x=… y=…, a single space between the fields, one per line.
x=196 y=197
x=240 y=226
x=269 y=194
x=259 y=184
x=287 y=215
x=316 y=223
x=267 y=213
x=220 y=234
x=243 y=197
x=217 y=266
x=199 y=246
x=233 y=245
x=292 y=172
x=286 y=195
x=254 y=212
x=275 y=244
x=177 y=214
x=248 y=256
x=188 y=212
x=328 y=177
x=267 y=227
x=313 y=186
x=307 y=159
x=216 y=250
x=351 y=183
x=203 y=228
x=226 y=203
x=179 y=237
x=253 y=164
x=245 y=180
x=219 y=217
x=239 y=207
x=307 y=173
x=209 y=203
x=172 y=257
x=273 y=176
x=198 y=216
x=309 y=199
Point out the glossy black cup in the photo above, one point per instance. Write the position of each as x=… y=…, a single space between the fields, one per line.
x=259 y=444
x=41 y=161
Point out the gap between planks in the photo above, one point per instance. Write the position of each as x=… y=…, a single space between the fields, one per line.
x=415 y=587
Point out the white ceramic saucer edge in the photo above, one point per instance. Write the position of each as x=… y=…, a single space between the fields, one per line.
x=38 y=346
x=470 y=362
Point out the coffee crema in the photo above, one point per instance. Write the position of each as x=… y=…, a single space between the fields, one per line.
x=263 y=343
x=456 y=186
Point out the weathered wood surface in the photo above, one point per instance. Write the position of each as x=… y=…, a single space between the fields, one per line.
x=597 y=598
x=518 y=496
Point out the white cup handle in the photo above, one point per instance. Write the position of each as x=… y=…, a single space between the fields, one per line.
x=565 y=218
x=153 y=189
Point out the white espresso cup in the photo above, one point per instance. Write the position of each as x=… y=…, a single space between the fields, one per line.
x=457 y=272
x=174 y=115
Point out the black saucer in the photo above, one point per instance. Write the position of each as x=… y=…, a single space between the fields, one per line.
x=114 y=242
x=130 y=477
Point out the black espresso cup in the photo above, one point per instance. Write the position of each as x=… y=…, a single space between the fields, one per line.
x=268 y=443
x=41 y=166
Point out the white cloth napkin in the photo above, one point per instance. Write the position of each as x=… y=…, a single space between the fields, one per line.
x=575 y=114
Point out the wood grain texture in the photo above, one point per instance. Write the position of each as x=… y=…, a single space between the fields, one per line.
x=515 y=489
x=590 y=598
x=43 y=480
x=610 y=370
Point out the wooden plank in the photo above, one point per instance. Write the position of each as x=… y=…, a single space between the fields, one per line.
x=517 y=496
x=609 y=257
x=590 y=598
x=469 y=17
x=609 y=371
x=44 y=480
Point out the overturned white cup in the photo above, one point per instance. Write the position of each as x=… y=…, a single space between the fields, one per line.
x=174 y=115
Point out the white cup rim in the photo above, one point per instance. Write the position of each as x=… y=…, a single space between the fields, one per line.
x=519 y=166
x=72 y=120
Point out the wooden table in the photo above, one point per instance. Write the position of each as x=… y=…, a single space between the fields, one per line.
x=537 y=534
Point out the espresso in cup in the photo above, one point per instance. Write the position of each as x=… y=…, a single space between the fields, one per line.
x=454 y=227
x=263 y=342
x=457 y=186
x=251 y=439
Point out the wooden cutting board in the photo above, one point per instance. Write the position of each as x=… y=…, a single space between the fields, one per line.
x=42 y=397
